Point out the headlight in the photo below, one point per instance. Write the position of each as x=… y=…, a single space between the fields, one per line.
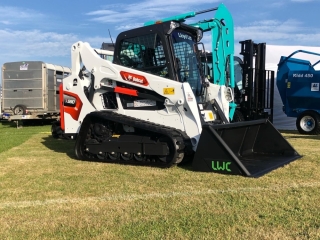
x=173 y=25
x=199 y=35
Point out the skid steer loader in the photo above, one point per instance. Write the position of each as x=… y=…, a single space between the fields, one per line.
x=153 y=105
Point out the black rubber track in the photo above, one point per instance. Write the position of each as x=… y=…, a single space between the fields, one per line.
x=178 y=142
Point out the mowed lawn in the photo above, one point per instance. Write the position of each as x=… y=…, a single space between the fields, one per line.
x=46 y=194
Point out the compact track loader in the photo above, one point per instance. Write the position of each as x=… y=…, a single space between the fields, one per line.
x=153 y=105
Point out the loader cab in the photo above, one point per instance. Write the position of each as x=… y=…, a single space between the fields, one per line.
x=186 y=59
x=167 y=50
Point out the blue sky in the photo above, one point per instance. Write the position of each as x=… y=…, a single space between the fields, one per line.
x=45 y=30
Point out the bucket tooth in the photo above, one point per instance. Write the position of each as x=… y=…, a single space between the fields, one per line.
x=251 y=148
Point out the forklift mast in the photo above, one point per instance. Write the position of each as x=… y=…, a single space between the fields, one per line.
x=257 y=91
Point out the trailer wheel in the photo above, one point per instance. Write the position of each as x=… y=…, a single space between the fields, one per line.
x=20 y=110
x=308 y=123
x=237 y=116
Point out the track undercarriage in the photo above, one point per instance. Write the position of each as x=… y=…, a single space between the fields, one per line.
x=111 y=137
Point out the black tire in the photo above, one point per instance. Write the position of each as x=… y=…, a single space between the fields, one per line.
x=56 y=130
x=308 y=123
x=237 y=117
x=20 y=110
x=187 y=159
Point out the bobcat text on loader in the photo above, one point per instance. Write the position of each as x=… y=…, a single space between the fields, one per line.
x=154 y=106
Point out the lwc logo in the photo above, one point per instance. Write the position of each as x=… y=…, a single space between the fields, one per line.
x=24 y=66
x=221 y=166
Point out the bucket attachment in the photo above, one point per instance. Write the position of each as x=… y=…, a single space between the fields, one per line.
x=250 y=148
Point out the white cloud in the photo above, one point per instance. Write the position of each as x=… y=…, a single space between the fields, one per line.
x=290 y=32
x=17 y=15
x=5 y=22
x=277 y=4
x=276 y=32
x=128 y=26
x=34 y=43
x=51 y=47
x=147 y=10
x=102 y=12
x=39 y=44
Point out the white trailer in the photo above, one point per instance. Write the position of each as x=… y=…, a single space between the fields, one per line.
x=30 y=90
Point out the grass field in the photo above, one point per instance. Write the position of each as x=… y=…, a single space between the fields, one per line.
x=46 y=194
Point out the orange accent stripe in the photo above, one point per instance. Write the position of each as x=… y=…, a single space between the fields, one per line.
x=126 y=91
x=74 y=111
x=61 y=106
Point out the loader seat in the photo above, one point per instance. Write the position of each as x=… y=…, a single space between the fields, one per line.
x=151 y=64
